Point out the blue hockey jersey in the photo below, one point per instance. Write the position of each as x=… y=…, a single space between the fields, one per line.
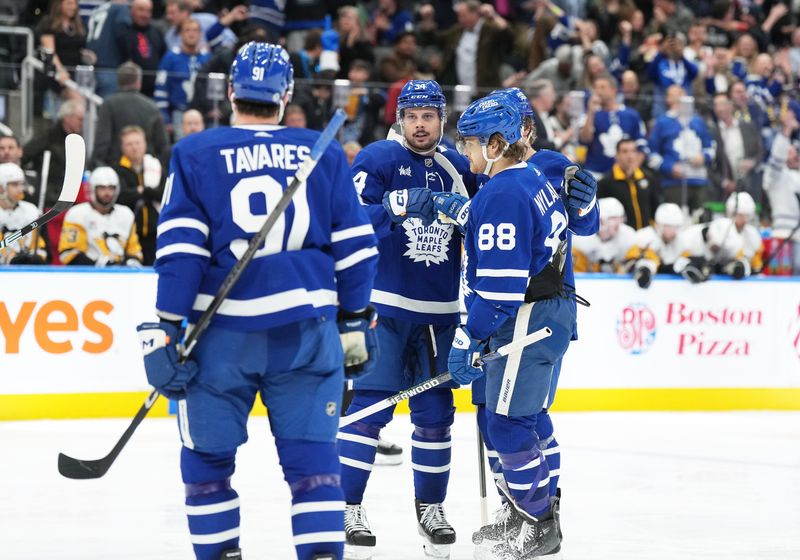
x=609 y=128
x=516 y=222
x=222 y=182
x=106 y=24
x=671 y=143
x=175 y=81
x=419 y=266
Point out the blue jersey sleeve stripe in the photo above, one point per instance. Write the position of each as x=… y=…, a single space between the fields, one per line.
x=350 y=233
x=355 y=258
x=417 y=305
x=265 y=305
x=186 y=248
x=502 y=272
x=182 y=223
x=500 y=296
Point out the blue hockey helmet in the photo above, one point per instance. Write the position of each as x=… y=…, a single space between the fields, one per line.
x=489 y=115
x=421 y=93
x=262 y=73
x=520 y=100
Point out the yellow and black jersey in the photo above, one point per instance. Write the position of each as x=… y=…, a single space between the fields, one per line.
x=13 y=219
x=101 y=238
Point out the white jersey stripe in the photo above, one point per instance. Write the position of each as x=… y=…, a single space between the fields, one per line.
x=416 y=305
x=350 y=233
x=187 y=248
x=532 y=465
x=355 y=258
x=183 y=223
x=265 y=305
x=500 y=296
x=514 y=486
x=183 y=424
x=502 y=273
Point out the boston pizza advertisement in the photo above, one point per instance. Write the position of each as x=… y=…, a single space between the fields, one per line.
x=717 y=334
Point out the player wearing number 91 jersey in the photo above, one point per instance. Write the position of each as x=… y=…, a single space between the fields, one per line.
x=515 y=249
x=276 y=333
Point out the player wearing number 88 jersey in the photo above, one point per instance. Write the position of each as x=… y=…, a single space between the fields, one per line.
x=276 y=333
x=515 y=242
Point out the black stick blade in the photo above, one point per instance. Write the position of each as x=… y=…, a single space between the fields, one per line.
x=81 y=470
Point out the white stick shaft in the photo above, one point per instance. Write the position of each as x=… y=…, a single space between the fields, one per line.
x=43 y=178
x=516 y=345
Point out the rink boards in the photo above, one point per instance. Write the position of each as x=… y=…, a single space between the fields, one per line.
x=70 y=349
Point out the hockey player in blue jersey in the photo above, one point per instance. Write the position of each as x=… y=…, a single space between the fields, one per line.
x=577 y=189
x=416 y=294
x=516 y=236
x=277 y=331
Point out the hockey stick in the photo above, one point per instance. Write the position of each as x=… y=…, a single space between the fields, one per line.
x=83 y=469
x=75 y=151
x=482 y=477
x=514 y=346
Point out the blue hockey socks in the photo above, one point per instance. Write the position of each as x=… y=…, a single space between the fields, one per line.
x=212 y=506
x=491 y=453
x=524 y=466
x=432 y=414
x=312 y=470
x=549 y=447
x=357 y=442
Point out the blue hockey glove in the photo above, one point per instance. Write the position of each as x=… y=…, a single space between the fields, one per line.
x=162 y=363
x=410 y=203
x=452 y=208
x=464 y=352
x=359 y=341
x=581 y=189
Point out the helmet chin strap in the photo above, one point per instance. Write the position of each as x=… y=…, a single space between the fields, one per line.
x=490 y=161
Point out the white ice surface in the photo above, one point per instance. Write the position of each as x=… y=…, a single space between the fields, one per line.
x=638 y=486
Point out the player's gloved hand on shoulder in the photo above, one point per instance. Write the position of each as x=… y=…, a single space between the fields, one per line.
x=452 y=208
x=359 y=341
x=463 y=353
x=162 y=362
x=581 y=189
x=410 y=203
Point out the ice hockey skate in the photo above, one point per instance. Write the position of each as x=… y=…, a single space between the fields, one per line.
x=359 y=540
x=434 y=528
x=536 y=538
x=388 y=454
x=507 y=523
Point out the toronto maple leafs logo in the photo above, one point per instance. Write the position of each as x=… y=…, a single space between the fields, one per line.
x=466 y=291
x=687 y=144
x=405 y=171
x=428 y=244
x=610 y=138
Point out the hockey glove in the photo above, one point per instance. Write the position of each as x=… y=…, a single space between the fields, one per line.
x=452 y=208
x=581 y=189
x=694 y=269
x=410 y=203
x=162 y=362
x=359 y=341
x=464 y=352
x=643 y=276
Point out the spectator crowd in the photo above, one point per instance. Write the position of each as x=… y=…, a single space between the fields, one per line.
x=686 y=112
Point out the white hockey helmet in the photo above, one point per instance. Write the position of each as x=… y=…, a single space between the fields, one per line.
x=610 y=207
x=104 y=176
x=669 y=214
x=740 y=203
x=10 y=173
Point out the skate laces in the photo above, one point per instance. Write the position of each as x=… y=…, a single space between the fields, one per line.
x=526 y=532
x=355 y=519
x=433 y=518
x=503 y=515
